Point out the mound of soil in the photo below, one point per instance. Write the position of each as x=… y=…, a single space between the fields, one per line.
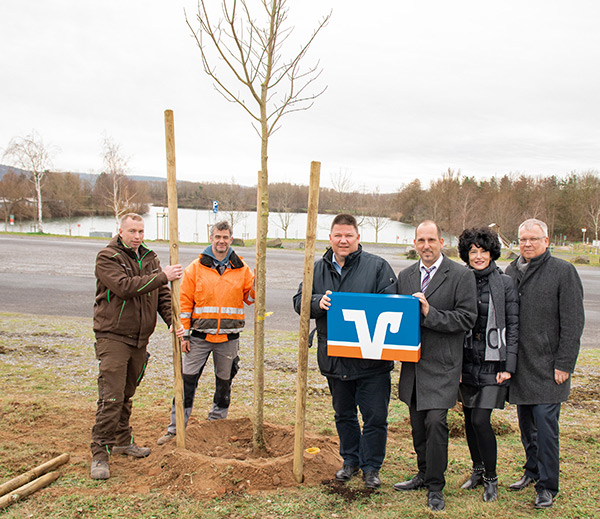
x=218 y=459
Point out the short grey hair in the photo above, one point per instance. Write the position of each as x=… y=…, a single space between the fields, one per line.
x=223 y=225
x=531 y=223
x=130 y=216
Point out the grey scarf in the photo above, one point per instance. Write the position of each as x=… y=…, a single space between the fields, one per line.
x=495 y=332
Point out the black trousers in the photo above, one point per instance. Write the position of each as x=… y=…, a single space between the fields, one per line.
x=540 y=439
x=430 y=440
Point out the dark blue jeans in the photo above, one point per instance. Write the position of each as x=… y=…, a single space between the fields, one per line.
x=540 y=439
x=366 y=448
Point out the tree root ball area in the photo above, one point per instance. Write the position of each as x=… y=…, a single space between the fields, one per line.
x=219 y=459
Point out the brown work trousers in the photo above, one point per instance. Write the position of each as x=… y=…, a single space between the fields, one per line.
x=121 y=369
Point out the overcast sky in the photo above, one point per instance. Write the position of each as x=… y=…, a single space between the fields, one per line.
x=414 y=88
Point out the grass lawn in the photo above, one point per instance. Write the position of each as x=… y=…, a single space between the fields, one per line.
x=47 y=403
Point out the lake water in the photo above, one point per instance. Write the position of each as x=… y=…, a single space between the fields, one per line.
x=194 y=224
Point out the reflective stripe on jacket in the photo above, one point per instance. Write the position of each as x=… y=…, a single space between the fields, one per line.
x=213 y=304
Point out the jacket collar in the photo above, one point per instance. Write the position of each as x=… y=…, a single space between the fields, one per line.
x=117 y=243
x=533 y=265
x=232 y=261
x=350 y=259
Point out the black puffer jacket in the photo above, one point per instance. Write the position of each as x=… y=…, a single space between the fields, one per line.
x=476 y=371
x=363 y=273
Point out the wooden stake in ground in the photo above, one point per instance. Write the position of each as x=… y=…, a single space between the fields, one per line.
x=174 y=259
x=36 y=472
x=307 y=282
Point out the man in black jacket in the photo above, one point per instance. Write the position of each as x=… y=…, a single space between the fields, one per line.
x=551 y=323
x=354 y=383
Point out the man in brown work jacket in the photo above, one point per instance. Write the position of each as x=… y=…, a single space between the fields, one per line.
x=131 y=288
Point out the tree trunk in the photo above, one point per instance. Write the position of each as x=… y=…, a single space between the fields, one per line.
x=262 y=228
x=38 y=193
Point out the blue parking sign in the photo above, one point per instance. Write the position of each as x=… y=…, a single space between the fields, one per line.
x=374 y=326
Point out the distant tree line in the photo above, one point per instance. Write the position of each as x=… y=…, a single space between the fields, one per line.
x=67 y=195
x=567 y=204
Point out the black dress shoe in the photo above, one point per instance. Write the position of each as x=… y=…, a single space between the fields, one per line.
x=474 y=480
x=412 y=484
x=346 y=473
x=490 y=489
x=435 y=501
x=544 y=499
x=371 y=479
x=522 y=483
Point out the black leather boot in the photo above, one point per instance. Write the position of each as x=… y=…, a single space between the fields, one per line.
x=490 y=489
x=475 y=479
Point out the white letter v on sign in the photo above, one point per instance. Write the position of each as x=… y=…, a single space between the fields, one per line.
x=371 y=349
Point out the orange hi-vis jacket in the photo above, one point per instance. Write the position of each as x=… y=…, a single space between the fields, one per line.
x=212 y=304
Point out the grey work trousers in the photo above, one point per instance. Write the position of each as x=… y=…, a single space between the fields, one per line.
x=225 y=360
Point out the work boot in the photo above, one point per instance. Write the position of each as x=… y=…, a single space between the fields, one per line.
x=132 y=450
x=99 y=470
x=490 y=489
x=166 y=438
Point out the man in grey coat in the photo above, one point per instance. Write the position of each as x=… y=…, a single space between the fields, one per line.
x=551 y=323
x=448 y=297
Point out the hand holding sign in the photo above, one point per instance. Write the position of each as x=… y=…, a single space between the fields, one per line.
x=424 y=303
x=325 y=301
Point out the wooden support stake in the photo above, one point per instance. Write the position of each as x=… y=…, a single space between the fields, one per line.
x=27 y=489
x=174 y=259
x=307 y=283
x=262 y=221
x=36 y=472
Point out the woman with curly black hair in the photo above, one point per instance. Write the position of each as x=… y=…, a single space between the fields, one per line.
x=489 y=355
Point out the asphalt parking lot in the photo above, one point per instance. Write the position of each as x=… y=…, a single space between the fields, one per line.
x=55 y=276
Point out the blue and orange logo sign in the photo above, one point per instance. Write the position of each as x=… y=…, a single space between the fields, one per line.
x=374 y=326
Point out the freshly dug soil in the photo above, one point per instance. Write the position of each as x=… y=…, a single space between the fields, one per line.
x=219 y=459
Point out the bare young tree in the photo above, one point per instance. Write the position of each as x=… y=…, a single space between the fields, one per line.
x=64 y=195
x=118 y=195
x=589 y=186
x=14 y=190
x=378 y=213
x=249 y=45
x=230 y=203
x=341 y=183
x=31 y=154
x=283 y=204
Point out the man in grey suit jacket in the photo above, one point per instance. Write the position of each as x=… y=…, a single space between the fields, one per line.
x=429 y=387
x=551 y=323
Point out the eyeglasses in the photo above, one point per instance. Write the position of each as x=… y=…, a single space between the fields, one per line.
x=533 y=241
